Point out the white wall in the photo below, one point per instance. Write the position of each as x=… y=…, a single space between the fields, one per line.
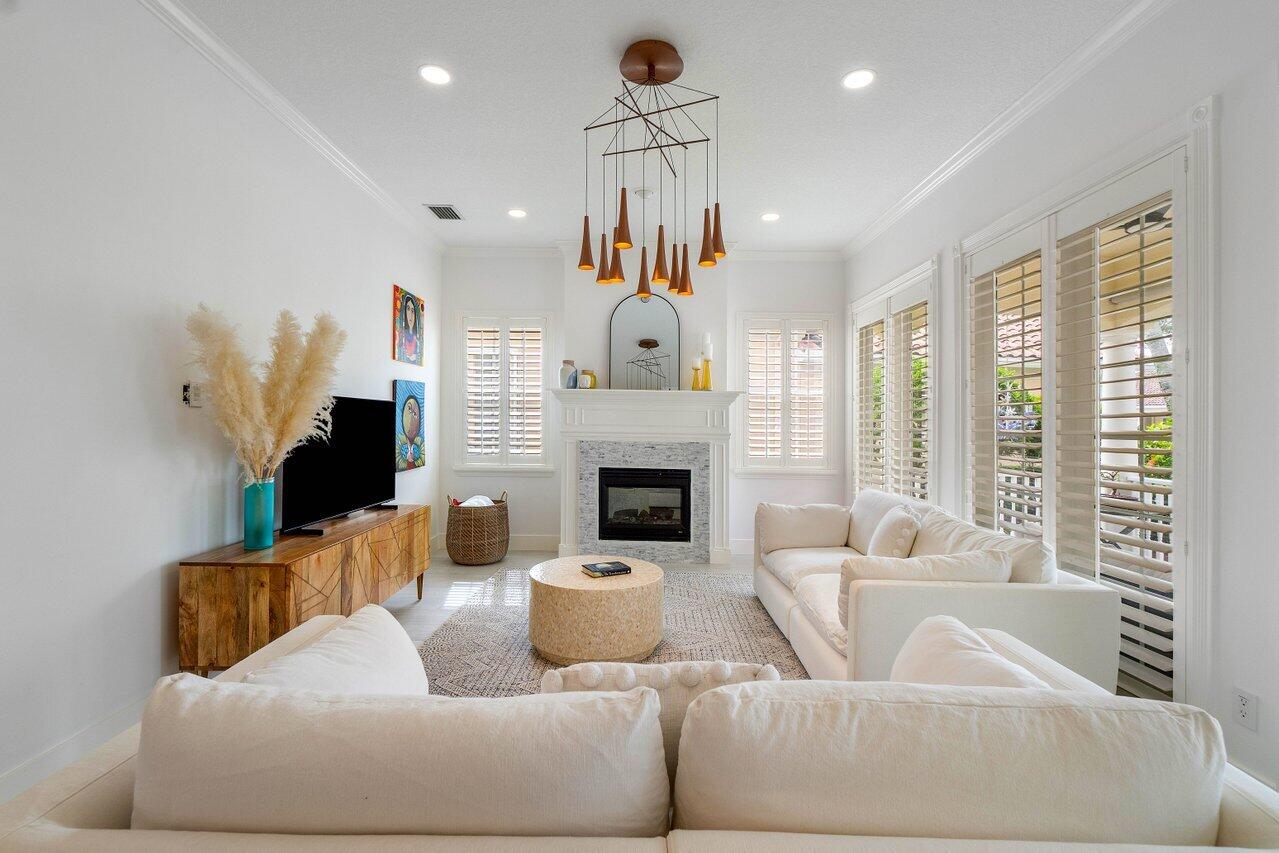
x=550 y=283
x=1190 y=52
x=139 y=180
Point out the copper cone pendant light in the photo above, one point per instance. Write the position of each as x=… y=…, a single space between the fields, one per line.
x=615 y=275
x=707 y=258
x=643 y=291
x=668 y=118
x=685 y=281
x=623 y=238
x=584 y=260
x=673 y=285
x=603 y=276
x=717 y=240
x=660 y=274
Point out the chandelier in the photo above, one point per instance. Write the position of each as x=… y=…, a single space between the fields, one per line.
x=652 y=118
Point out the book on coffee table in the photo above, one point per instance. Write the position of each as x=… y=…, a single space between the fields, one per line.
x=606 y=570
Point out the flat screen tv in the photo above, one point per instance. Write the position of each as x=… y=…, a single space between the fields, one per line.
x=354 y=469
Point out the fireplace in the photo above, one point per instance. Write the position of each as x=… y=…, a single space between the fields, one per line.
x=645 y=504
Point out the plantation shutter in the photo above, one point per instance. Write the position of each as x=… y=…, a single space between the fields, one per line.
x=524 y=390
x=981 y=394
x=872 y=436
x=908 y=391
x=1077 y=407
x=806 y=393
x=764 y=394
x=483 y=391
x=1018 y=412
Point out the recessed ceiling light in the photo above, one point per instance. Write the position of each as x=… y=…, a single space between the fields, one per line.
x=434 y=74
x=770 y=217
x=516 y=213
x=859 y=79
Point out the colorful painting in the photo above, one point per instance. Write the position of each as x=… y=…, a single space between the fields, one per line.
x=408 y=312
x=410 y=435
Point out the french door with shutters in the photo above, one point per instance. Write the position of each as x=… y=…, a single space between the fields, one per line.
x=1074 y=394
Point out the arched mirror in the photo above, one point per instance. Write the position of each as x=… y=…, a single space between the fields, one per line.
x=644 y=345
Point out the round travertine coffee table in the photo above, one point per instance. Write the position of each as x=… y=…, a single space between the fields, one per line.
x=573 y=617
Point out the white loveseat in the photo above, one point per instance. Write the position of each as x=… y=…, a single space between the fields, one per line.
x=763 y=766
x=799 y=551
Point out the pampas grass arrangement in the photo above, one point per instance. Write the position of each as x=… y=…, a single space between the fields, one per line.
x=266 y=412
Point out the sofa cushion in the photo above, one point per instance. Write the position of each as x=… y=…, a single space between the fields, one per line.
x=368 y=653
x=676 y=684
x=816 y=595
x=1037 y=663
x=874 y=758
x=246 y=758
x=791 y=565
x=895 y=534
x=943 y=650
x=808 y=526
x=990 y=566
x=940 y=533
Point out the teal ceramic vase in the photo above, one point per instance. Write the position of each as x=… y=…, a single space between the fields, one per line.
x=259 y=514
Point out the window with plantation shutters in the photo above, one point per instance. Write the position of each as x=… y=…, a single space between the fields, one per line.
x=892 y=388
x=1115 y=471
x=1006 y=420
x=503 y=389
x=785 y=406
x=871 y=435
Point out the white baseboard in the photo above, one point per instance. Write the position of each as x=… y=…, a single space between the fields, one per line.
x=721 y=556
x=75 y=746
x=741 y=547
x=535 y=541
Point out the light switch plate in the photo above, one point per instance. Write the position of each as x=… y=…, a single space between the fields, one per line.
x=193 y=394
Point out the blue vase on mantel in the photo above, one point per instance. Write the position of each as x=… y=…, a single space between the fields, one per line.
x=259 y=514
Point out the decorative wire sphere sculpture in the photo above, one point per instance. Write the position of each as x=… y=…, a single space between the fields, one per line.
x=649 y=370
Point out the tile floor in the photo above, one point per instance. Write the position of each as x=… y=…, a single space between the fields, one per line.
x=448 y=586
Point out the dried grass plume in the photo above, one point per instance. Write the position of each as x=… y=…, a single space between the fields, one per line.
x=267 y=412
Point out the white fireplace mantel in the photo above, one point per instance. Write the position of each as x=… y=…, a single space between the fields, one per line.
x=651 y=416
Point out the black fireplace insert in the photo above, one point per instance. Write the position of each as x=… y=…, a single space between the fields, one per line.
x=645 y=504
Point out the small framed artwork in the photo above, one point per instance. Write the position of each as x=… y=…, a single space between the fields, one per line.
x=410 y=434
x=407 y=314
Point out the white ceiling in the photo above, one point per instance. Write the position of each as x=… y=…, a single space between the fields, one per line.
x=527 y=76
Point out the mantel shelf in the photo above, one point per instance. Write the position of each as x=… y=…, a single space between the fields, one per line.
x=630 y=397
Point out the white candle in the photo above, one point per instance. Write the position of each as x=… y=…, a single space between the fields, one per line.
x=706 y=346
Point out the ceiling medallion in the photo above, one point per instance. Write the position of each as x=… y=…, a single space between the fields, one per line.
x=663 y=115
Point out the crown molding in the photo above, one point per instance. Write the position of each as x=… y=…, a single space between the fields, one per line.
x=502 y=252
x=1117 y=31
x=219 y=54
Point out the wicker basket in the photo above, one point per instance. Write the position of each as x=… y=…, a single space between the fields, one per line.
x=478 y=535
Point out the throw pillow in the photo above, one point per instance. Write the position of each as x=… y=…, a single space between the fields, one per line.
x=676 y=684
x=895 y=533
x=369 y=653
x=943 y=650
x=992 y=566
x=940 y=533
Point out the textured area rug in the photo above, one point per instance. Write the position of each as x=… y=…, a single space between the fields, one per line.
x=483 y=648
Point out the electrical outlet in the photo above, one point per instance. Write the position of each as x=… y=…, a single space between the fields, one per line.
x=192 y=394
x=1246 y=708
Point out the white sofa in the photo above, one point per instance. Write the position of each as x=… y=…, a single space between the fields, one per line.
x=88 y=806
x=798 y=554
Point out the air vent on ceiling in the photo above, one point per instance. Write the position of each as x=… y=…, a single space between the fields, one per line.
x=444 y=211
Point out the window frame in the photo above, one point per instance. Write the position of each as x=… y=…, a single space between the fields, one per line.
x=531 y=465
x=785 y=321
